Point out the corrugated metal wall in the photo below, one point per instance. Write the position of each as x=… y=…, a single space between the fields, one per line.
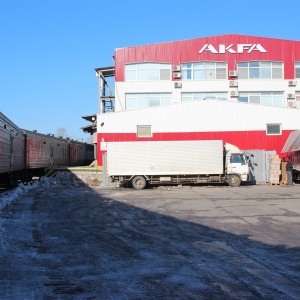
x=259 y=164
x=177 y=52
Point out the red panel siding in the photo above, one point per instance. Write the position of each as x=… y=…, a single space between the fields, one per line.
x=244 y=140
x=188 y=51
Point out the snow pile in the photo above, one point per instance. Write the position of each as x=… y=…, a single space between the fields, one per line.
x=9 y=196
x=61 y=179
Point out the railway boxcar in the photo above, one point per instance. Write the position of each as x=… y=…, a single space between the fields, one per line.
x=81 y=154
x=25 y=153
x=12 y=150
x=45 y=150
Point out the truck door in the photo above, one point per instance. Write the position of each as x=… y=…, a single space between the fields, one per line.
x=235 y=163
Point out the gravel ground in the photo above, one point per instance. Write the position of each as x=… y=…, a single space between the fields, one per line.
x=186 y=242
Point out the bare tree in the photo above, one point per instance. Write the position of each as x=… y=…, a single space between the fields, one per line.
x=61 y=132
x=89 y=140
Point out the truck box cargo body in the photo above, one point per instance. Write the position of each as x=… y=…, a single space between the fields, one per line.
x=175 y=162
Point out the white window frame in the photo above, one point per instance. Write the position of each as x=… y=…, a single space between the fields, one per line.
x=260 y=95
x=137 y=98
x=190 y=70
x=259 y=66
x=297 y=68
x=199 y=96
x=148 y=71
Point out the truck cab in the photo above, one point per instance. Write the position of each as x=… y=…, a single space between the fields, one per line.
x=236 y=168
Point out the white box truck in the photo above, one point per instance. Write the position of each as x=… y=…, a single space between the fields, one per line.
x=175 y=162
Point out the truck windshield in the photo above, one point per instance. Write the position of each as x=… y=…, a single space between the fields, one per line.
x=238 y=159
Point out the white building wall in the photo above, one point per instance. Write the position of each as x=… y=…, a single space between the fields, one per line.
x=201 y=116
x=271 y=85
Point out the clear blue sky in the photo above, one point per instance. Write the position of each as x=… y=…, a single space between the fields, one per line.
x=49 y=49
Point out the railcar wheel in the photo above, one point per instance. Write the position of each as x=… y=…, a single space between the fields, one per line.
x=234 y=180
x=138 y=182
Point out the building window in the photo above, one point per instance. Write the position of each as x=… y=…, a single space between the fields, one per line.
x=147 y=72
x=135 y=101
x=263 y=98
x=297 y=70
x=144 y=131
x=260 y=70
x=188 y=97
x=204 y=71
x=273 y=129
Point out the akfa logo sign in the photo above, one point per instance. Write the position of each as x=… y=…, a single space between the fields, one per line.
x=240 y=48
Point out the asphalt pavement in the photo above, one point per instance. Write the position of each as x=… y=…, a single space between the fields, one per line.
x=185 y=242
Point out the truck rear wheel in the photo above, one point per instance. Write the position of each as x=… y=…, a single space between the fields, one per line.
x=234 y=180
x=138 y=182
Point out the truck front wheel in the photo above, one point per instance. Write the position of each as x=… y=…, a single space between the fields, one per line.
x=234 y=180
x=138 y=182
